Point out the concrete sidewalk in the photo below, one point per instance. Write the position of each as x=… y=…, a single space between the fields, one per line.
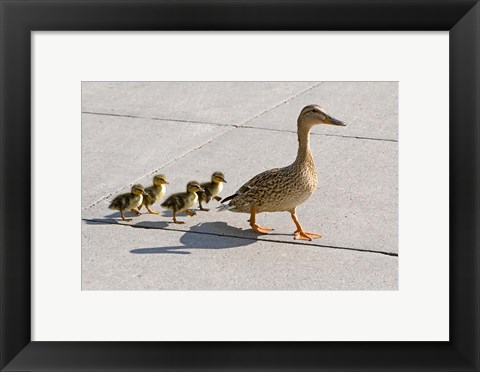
x=130 y=131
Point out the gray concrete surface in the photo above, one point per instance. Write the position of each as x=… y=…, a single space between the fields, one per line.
x=130 y=131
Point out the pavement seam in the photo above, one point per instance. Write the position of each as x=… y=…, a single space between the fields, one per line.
x=241 y=125
x=323 y=134
x=156 y=169
x=278 y=104
x=154 y=118
x=113 y=222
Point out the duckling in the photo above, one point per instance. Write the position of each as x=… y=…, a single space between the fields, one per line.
x=154 y=192
x=181 y=202
x=129 y=201
x=283 y=189
x=212 y=189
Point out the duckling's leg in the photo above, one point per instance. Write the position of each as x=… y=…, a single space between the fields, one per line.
x=175 y=218
x=217 y=198
x=300 y=234
x=257 y=228
x=190 y=212
x=150 y=211
x=201 y=207
x=123 y=217
x=136 y=212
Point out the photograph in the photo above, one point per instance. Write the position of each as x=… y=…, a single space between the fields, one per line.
x=239 y=185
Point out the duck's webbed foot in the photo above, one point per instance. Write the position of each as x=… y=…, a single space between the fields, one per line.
x=190 y=212
x=175 y=219
x=255 y=227
x=123 y=217
x=150 y=210
x=302 y=235
x=299 y=234
x=136 y=212
x=260 y=229
x=201 y=206
x=217 y=198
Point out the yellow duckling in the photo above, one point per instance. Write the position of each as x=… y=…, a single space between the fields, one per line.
x=129 y=201
x=283 y=189
x=211 y=190
x=182 y=202
x=155 y=192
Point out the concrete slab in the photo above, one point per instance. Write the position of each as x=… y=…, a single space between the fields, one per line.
x=211 y=102
x=125 y=258
x=370 y=109
x=116 y=151
x=355 y=206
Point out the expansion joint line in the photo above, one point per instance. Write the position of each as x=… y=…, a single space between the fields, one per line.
x=259 y=238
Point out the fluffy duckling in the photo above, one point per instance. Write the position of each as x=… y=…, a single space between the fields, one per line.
x=181 y=202
x=129 y=201
x=154 y=192
x=211 y=190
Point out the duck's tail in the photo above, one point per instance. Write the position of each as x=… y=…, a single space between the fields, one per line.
x=223 y=208
x=228 y=198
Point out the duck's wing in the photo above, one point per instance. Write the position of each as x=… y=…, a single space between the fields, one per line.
x=150 y=197
x=261 y=180
x=120 y=202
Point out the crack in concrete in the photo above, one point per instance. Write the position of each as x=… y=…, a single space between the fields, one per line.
x=114 y=222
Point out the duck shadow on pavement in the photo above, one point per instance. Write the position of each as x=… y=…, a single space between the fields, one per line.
x=208 y=235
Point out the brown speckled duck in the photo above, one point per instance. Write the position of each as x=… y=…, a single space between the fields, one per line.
x=129 y=201
x=155 y=192
x=182 y=202
x=283 y=189
x=211 y=190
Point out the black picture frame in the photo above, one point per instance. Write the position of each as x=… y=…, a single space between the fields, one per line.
x=18 y=18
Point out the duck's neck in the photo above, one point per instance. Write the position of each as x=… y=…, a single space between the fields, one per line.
x=304 y=154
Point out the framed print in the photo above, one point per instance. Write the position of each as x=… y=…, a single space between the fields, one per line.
x=85 y=87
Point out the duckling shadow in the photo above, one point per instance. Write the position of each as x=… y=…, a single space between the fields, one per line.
x=112 y=218
x=200 y=237
x=169 y=214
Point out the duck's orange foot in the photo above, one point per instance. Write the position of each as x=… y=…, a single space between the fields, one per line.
x=302 y=235
x=260 y=229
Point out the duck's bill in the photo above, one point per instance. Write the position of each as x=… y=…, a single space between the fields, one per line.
x=224 y=180
x=333 y=121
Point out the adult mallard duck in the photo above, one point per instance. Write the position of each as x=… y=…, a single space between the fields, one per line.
x=283 y=189
x=211 y=189
x=155 y=192
x=183 y=201
x=129 y=201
